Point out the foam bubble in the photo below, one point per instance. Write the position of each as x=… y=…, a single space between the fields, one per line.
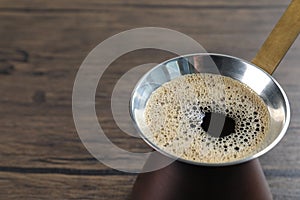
x=174 y=114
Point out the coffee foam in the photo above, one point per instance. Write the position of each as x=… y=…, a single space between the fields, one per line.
x=175 y=110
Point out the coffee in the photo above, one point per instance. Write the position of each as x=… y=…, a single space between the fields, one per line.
x=206 y=118
x=213 y=118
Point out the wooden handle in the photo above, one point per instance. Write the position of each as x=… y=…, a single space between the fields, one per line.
x=280 y=39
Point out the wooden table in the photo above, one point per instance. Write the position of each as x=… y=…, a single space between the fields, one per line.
x=41 y=48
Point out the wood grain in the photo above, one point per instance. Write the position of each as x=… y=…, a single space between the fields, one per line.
x=37 y=186
x=42 y=46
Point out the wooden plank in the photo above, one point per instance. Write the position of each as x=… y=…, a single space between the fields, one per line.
x=99 y=26
x=56 y=186
x=285 y=188
x=16 y=186
x=94 y=4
